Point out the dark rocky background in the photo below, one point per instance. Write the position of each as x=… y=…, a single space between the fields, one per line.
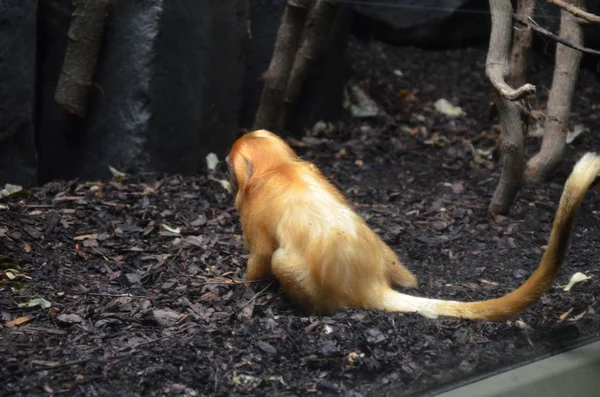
x=178 y=79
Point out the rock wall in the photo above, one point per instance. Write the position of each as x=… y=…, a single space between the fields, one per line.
x=167 y=88
x=18 y=157
x=172 y=85
x=178 y=79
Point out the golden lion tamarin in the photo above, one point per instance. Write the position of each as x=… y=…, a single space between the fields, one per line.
x=298 y=227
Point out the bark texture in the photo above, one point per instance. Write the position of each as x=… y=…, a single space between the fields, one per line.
x=312 y=49
x=521 y=45
x=497 y=64
x=277 y=75
x=577 y=10
x=512 y=147
x=81 y=57
x=566 y=70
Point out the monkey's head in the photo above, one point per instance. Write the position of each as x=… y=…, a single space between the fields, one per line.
x=255 y=153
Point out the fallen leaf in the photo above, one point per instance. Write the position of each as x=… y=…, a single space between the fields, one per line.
x=484 y=281
x=18 y=321
x=33 y=302
x=44 y=363
x=578 y=129
x=85 y=237
x=170 y=229
x=10 y=190
x=576 y=278
x=212 y=161
x=564 y=316
x=69 y=318
x=445 y=107
x=521 y=324
x=166 y=317
x=226 y=185
x=118 y=175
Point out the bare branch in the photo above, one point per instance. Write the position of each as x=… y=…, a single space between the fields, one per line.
x=576 y=11
x=566 y=69
x=519 y=57
x=276 y=77
x=497 y=64
x=318 y=27
x=512 y=146
x=81 y=57
x=537 y=28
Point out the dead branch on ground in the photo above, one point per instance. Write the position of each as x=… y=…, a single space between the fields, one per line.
x=566 y=70
x=276 y=77
x=512 y=145
x=318 y=27
x=81 y=57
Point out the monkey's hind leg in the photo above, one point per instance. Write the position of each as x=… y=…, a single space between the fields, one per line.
x=401 y=276
x=397 y=273
x=294 y=277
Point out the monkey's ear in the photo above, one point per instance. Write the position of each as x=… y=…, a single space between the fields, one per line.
x=241 y=170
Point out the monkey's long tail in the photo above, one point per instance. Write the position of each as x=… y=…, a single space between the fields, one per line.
x=509 y=305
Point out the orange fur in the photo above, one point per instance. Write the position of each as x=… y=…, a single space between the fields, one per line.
x=300 y=228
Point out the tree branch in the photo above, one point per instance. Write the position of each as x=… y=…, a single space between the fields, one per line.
x=576 y=11
x=519 y=57
x=566 y=69
x=276 y=77
x=512 y=145
x=497 y=66
x=537 y=28
x=81 y=57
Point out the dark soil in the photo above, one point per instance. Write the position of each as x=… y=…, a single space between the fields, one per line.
x=138 y=310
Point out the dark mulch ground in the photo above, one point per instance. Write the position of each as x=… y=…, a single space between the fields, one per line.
x=139 y=310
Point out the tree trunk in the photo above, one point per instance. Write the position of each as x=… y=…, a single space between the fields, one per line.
x=317 y=33
x=81 y=57
x=566 y=70
x=512 y=147
x=276 y=77
x=519 y=57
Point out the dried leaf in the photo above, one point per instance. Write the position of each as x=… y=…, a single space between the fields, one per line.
x=10 y=190
x=118 y=175
x=170 y=229
x=69 y=318
x=576 y=278
x=33 y=302
x=18 y=321
x=85 y=236
x=212 y=161
x=564 y=316
x=445 y=107
x=484 y=281
x=226 y=185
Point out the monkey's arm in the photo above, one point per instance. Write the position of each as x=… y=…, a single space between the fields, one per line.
x=259 y=266
x=261 y=249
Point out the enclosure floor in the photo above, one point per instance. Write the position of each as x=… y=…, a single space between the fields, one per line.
x=138 y=310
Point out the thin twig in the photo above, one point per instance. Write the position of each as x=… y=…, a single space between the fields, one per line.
x=160 y=339
x=537 y=28
x=252 y=299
